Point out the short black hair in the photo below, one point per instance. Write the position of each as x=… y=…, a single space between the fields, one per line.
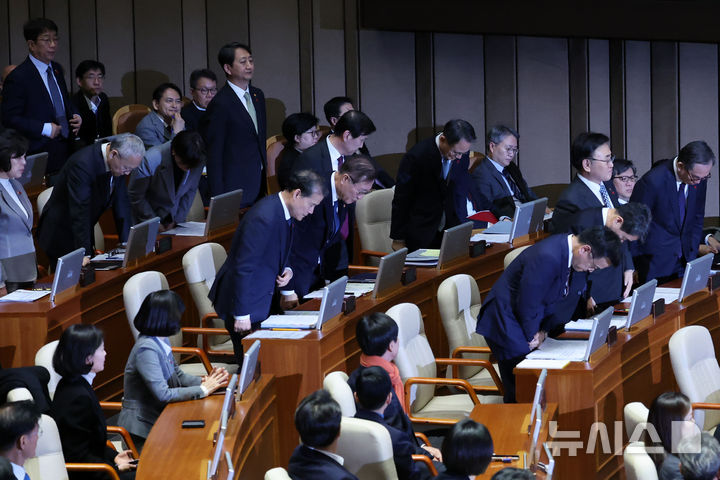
x=190 y=147
x=33 y=28
x=77 y=342
x=297 y=124
x=201 y=73
x=512 y=473
x=456 y=130
x=12 y=144
x=603 y=242
x=375 y=332
x=622 y=164
x=583 y=147
x=355 y=122
x=332 y=107
x=160 y=314
x=307 y=181
x=87 y=65
x=696 y=153
x=636 y=219
x=468 y=448
x=373 y=386
x=498 y=133
x=226 y=55
x=359 y=167
x=17 y=419
x=699 y=465
x=317 y=419
x=160 y=89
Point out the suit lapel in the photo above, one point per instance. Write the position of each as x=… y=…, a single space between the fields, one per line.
x=40 y=85
x=14 y=206
x=498 y=177
x=168 y=176
x=241 y=109
x=671 y=186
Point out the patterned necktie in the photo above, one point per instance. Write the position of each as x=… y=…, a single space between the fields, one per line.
x=682 y=204
x=251 y=109
x=445 y=168
x=345 y=227
x=605 y=196
x=513 y=186
x=57 y=103
x=340 y=161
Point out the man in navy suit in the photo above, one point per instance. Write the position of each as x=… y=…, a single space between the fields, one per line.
x=90 y=182
x=675 y=192
x=317 y=420
x=234 y=128
x=322 y=229
x=91 y=102
x=35 y=97
x=497 y=177
x=518 y=311
x=258 y=260
x=424 y=203
x=19 y=432
x=591 y=156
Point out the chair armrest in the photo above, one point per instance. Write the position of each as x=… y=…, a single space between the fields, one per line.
x=205 y=323
x=126 y=437
x=205 y=320
x=475 y=362
x=93 y=467
x=706 y=406
x=111 y=405
x=356 y=269
x=423 y=438
x=454 y=382
x=195 y=351
x=428 y=463
x=468 y=349
x=206 y=332
x=365 y=254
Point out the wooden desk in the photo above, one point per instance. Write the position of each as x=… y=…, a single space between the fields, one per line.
x=252 y=437
x=25 y=327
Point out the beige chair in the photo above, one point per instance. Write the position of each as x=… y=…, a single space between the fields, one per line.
x=459 y=304
x=512 y=255
x=336 y=383
x=367 y=449
x=697 y=372
x=197 y=210
x=634 y=414
x=43 y=358
x=42 y=200
x=127 y=118
x=274 y=145
x=373 y=213
x=18 y=394
x=201 y=264
x=417 y=366
x=638 y=464
x=278 y=473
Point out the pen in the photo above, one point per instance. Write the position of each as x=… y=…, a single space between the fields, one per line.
x=285 y=329
x=505 y=458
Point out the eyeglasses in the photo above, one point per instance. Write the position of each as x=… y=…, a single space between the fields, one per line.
x=355 y=188
x=627 y=179
x=594 y=265
x=206 y=91
x=604 y=160
x=54 y=40
x=695 y=179
x=92 y=76
x=313 y=133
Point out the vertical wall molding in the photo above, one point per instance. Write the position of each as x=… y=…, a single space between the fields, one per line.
x=352 y=52
x=424 y=85
x=665 y=99
x=500 y=54
x=618 y=124
x=579 y=86
x=305 y=37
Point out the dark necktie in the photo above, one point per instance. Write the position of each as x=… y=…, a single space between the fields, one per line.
x=57 y=103
x=445 y=168
x=340 y=161
x=27 y=477
x=681 y=202
x=513 y=186
x=345 y=227
x=605 y=196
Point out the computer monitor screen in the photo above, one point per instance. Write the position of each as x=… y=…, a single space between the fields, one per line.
x=389 y=272
x=455 y=244
x=224 y=211
x=67 y=272
x=141 y=240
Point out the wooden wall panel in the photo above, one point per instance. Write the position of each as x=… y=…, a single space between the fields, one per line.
x=229 y=22
x=599 y=85
x=664 y=84
x=58 y=10
x=18 y=14
x=460 y=82
x=329 y=53
x=116 y=50
x=82 y=36
x=543 y=110
x=579 y=86
x=4 y=34
x=194 y=41
x=387 y=84
x=500 y=80
x=698 y=81
x=638 y=104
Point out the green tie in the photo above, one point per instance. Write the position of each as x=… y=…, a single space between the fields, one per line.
x=251 y=109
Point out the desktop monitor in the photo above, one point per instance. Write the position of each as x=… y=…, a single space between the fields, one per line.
x=696 y=276
x=599 y=332
x=332 y=301
x=455 y=244
x=218 y=450
x=228 y=406
x=528 y=218
x=67 y=272
x=224 y=211
x=248 y=367
x=641 y=303
x=34 y=174
x=141 y=240
x=389 y=272
x=538 y=398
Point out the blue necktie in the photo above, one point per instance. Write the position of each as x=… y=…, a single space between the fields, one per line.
x=57 y=103
x=446 y=168
x=681 y=202
x=27 y=477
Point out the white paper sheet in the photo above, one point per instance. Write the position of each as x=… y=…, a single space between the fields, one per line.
x=283 y=334
x=21 y=295
x=540 y=364
x=187 y=229
x=491 y=238
x=551 y=349
x=669 y=294
x=585 y=324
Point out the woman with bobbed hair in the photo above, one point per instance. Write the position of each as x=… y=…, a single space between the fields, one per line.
x=301 y=132
x=152 y=378
x=466 y=451
x=79 y=356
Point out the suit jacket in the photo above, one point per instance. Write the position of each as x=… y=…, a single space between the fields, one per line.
x=152 y=130
x=152 y=380
x=27 y=106
x=94 y=125
x=80 y=196
x=192 y=115
x=285 y=164
x=308 y=464
x=491 y=185
x=422 y=195
x=17 y=250
x=668 y=241
x=450 y=476
x=522 y=301
x=34 y=379
x=577 y=196
x=82 y=425
x=152 y=187
x=237 y=156
x=260 y=251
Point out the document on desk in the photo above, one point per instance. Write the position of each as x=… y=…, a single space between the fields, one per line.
x=585 y=324
x=352 y=288
x=282 y=334
x=24 y=295
x=424 y=257
x=551 y=349
x=666 y=293
x=533 y=364
x=113 y=256
x=187 y=229
x=491 y=237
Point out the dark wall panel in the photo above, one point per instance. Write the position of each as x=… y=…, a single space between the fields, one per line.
x=228 y=22
x=638 y=104
x=58 y=10
x=4 y=34
x=599 y=85
x=664 y=71
x=329 y=53
x=579 y=85
x=194 y=41
x=82 y=35
x=116 y=50
x=18 y=14
x=500 y=80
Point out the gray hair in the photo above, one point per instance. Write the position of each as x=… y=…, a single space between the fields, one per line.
x=700 y=460
x=497 y=133
x=128 y=145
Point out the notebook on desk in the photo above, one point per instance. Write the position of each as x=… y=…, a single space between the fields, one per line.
x=331 y=306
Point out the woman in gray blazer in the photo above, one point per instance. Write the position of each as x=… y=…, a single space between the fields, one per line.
x=18 y=267
x=152 y=378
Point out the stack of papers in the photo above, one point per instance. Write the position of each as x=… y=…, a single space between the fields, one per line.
x=284 y=334
x=114 y=256
x=491 y=237
x=187 y=229
x=502 y=227
x=24 y=295
x=357 y=289
x=424 y=257
x=551 y=349
x=540 y=364
x=585 y=324
x=667 y=293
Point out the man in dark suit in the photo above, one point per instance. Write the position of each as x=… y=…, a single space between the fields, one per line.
x=234 y=129
x=497 y=177
x=424 y=203
x=165 y=183
x=674 y=190
x=35 y=98
x=90 y=182
x=91 y=102
x=317 y=420
x=19 y=431
x=373 y=394
x=591 y=156
x=515 y=315
x=164 y=120
x=321 y=229
x=258 y=259
x=203 y=87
